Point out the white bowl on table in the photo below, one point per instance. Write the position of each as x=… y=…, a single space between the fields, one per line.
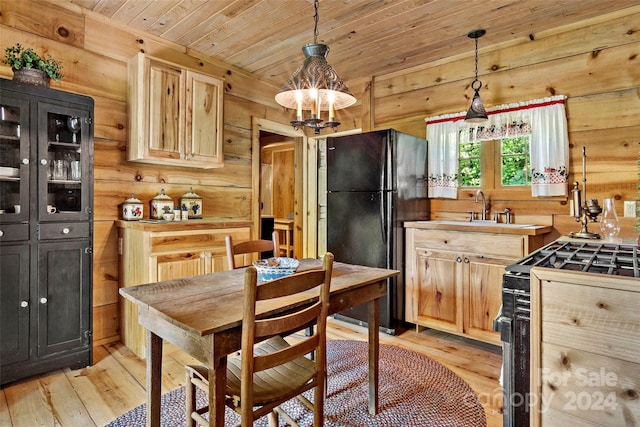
x=274 y=268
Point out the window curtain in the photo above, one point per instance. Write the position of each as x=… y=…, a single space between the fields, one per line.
x=550 y=149
x=442 y=154
x=543 y=119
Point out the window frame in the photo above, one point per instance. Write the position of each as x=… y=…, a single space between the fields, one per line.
x=490 y=157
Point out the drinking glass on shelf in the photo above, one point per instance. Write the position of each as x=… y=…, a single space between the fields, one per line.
x=59 y=170
x=74 y=170
x=609 y=222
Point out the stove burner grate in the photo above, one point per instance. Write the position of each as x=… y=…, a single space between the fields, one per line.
x=589 y=257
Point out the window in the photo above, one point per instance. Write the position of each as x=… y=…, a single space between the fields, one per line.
x=514 y=160
x=469 y=167
x=522 y=151
x=511 y=154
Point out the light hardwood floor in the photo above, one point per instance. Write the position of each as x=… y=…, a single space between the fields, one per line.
x=96 y=395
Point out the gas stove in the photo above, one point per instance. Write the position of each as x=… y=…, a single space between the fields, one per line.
x=586 y=256
x=513 y=321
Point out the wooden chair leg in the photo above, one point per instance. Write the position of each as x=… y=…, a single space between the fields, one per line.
x=190 y=397
x=273 y=419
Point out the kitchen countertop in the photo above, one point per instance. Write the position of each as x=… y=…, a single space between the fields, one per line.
x=192 y=224
x=481 y=227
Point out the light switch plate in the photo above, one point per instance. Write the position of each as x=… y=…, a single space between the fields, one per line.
x=629 y=209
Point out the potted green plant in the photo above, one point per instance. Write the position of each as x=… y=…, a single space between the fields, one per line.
x=29 y=67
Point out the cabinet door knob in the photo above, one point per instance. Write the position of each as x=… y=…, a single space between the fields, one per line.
x=466 y=260
x=65 y=230
x=43 y=300
x=25 y=161
x=24 y=304
x=459 y=259
x=1 y=233
x=43 y=161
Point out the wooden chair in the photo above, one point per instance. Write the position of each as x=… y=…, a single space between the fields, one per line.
x=250 y=247
x=268 y=374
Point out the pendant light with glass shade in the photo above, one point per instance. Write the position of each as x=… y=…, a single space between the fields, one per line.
x=476 y=113
x=315 y=87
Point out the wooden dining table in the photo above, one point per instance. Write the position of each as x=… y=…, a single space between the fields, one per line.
x=202 y=315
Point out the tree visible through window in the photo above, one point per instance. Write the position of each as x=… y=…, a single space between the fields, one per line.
x=469 y=167
x=514 y=153
x=513 y=160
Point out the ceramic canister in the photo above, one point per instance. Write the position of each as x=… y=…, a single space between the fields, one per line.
x=160 y=205
x=192 y=203
x=132 y=209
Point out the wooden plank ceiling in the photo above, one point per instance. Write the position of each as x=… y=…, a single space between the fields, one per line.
x=366 y=37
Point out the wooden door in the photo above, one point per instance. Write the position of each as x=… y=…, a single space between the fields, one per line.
x=440 y=276
x=217 y=259
x=483 y=291
x=282 y=183
x=15 y=304
x=63 y=296
x=178 y=265
x=165 y=116
x=203 y=119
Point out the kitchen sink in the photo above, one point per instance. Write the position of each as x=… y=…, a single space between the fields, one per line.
x=478 y=224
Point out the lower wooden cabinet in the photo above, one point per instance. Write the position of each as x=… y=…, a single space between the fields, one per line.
x=14 y=305
x=47 y=326
x=454 y=279
x=157 y=252
x=585 y=349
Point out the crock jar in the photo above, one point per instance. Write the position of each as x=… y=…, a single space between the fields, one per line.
x=160 y=205
x=132 y=209
x=192 y=203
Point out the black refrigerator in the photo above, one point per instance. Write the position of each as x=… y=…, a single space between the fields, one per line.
x=375 y=182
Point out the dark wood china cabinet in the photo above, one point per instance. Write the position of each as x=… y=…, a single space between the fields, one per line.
x=46 y=230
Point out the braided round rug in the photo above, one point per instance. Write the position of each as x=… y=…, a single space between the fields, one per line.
x=415 y=391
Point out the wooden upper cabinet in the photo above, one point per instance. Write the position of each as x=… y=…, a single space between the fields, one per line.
x=203 y=119
x=175 y=115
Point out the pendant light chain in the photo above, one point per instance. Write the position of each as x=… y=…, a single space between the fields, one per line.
x=476 y=59
x=315 y=26
x=476 y=35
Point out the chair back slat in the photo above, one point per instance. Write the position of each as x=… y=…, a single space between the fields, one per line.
x=284 y=286
x=288 y=323
x=288 y=354
x=248 y=249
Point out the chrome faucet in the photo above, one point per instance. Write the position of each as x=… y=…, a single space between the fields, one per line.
x=483 y=215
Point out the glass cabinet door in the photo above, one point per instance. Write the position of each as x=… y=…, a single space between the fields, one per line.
x=14 y=159
x=63 y=163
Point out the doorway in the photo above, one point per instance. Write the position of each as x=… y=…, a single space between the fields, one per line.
x=277 y=189
x=277 y=182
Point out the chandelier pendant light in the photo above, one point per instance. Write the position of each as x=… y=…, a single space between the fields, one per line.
x=476 y=113
x=315 y=87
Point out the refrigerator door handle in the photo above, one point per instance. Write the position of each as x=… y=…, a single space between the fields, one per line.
x=384 y=203
x=383 y=167
x=383 y=215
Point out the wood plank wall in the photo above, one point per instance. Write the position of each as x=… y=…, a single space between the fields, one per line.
x=595 y=64
x=94 y=53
